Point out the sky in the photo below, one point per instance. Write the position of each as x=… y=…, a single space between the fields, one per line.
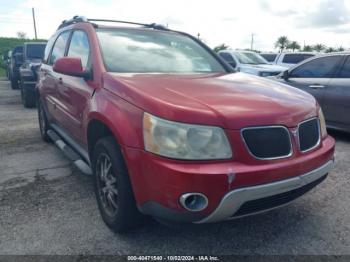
x=217 y=21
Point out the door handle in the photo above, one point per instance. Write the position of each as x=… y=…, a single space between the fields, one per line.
x=316 y=86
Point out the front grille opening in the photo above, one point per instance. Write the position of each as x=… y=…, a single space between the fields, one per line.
x=261 y=204
x=268 y=142
x=309 y=134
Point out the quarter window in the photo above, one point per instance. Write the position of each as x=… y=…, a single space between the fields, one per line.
x=317 y=68
x=79 y=47
x=59 y=48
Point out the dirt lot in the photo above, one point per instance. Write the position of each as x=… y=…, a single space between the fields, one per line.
x=48 y=207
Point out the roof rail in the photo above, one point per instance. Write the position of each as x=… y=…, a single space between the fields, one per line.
x=75 y=19
x=153 y=25
x=79 y=19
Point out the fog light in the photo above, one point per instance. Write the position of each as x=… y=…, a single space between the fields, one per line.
x=194 y=202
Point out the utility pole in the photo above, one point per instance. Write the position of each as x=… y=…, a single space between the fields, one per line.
x=252 y=42
x=33 y=13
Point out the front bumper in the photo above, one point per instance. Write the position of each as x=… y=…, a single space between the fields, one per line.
x=233 y=200
x=158 y=182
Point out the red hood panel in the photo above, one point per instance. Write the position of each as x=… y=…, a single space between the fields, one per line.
x=232 y=101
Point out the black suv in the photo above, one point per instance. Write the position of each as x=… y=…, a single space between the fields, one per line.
x=14 y=63
x=33 y=54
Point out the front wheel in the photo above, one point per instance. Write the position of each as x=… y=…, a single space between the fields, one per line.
x=113 y=189
x=43 y=123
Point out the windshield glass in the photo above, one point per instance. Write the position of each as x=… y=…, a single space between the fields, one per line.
x=147 y=51
x=250 y=58
x=35 y=51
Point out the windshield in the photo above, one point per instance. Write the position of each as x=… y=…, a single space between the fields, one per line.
x=250 y=58
x=146 y=51
x=35 y=51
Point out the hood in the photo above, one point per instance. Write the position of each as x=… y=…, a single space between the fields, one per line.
x=231 y=101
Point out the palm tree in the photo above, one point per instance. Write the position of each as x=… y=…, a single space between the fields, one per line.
x=282 y=42
x=308 y=48
x=294 y=45
x=220 y=47
x=319 y=47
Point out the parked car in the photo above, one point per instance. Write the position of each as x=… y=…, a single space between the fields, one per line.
x=33 y=53
x=287 y=59
x=14 y=65
x=169 y=130
x=250 y=62
x=327 y=78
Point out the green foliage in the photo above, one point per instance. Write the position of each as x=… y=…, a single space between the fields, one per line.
x=308 y=48
x=8 y=43
x=319 y=47
x=220 y=47
x=294 y=45
x=2 y=72
x=282 y=42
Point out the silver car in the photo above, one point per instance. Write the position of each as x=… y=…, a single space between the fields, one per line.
x=327 y=78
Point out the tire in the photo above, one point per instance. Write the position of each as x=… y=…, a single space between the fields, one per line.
x=28 y=98
x=113 y=190
x=43 y=123
x=14 y=83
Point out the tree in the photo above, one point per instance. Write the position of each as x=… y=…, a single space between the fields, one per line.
x=330 y=50
x=319 y=47
x=308 y=48
x=220 y=47
x=294 y=45
x=21 y=35
x=341 y=49
x=282 y=42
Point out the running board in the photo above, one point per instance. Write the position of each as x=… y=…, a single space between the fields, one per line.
x=70 y=153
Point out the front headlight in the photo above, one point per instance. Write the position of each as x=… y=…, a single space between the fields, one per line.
x=184 y=141
x=323 y=126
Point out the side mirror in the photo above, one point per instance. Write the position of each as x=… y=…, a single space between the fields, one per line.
x=19 y=58
x=285 y=75
x=71 y=66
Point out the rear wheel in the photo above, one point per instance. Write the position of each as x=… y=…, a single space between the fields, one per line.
x=28 y=98
x=14 y=83
x=43 y=123
x=113 y=190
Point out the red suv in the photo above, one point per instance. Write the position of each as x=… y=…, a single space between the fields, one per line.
x=169 y=130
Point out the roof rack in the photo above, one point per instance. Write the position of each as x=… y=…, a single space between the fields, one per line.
x=82 y=19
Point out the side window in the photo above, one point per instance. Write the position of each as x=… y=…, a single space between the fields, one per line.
x=345 y=71
x=228 y=58
x=295 y=58
x=318 y=68
x=79 y=47
x=59 y=47
x=269 y=57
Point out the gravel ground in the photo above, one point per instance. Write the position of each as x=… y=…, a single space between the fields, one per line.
x=48 y=207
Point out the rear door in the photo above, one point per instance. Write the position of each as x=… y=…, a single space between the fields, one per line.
x=314 y=76
x=337 y=98
x=74 y=92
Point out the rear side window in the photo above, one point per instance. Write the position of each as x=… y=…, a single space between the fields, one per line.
x=323 y=67
x=345 y=71
x=269 y=57
x=59 y=48
x=295 y=58
x=79 y=47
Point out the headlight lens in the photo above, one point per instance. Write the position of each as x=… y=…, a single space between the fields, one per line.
x=322 y=123
x=184 y=141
